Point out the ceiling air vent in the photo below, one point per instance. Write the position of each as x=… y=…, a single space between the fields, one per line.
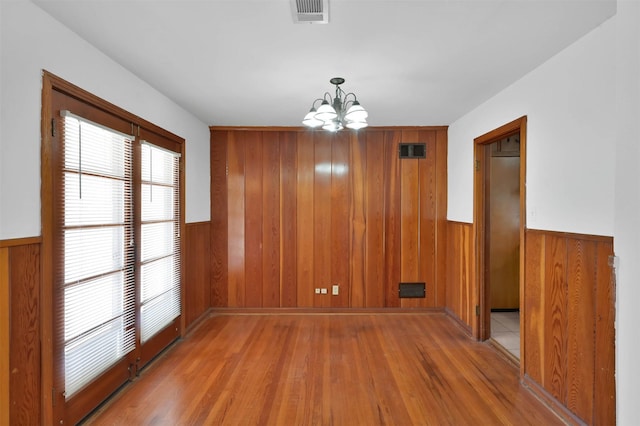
x=310 y=11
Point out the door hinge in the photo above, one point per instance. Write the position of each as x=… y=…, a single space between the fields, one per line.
x=477 y=310
x=477 y=165
x=53 y=127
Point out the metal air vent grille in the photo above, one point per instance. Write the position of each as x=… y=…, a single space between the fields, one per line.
x=310 y=11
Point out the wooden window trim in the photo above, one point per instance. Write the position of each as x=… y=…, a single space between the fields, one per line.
x=51 y=408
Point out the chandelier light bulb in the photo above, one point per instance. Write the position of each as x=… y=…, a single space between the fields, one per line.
x=310 y=119
x=356 y=112
x=326 y=112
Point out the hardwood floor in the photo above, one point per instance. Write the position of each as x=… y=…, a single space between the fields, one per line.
x=327 y=369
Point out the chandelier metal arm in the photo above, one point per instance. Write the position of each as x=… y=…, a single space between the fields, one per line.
x=313 y=104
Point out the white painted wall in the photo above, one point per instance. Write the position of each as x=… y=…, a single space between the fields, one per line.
x=569 y=102
x=583 y=162
x=627 y=212
x=30 y=41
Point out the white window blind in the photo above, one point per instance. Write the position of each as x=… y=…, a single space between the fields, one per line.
x=98 y=281
x=160 y=240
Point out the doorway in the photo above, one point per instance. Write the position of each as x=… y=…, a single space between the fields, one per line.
x=499 y=229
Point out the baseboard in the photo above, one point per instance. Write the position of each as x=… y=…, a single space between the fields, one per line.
x=323 y=311
x=465 y=327
x=554 y=405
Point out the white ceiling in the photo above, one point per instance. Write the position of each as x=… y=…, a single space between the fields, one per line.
x=245 y=63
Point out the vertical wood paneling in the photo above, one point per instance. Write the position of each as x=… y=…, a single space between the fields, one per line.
x=428 y=217
x=581 y=280
x=24 y=346
x=236 y=218
x=409 y=228
x=307 y=210
x=569 y=322
x=322 y=216
x=288 y=220
x=253 y=218
x=534 y=307
x=305 y=220
x=441 y=217
x=197 y=279
x=461 y=290
x=219 y=219
x=410 y=234
x=604 y=381
x=5 y=321
x=340 y=205
x=393 y=218
x=375 y=221
x=555 y=322
x=358 y=184
x=271 y=219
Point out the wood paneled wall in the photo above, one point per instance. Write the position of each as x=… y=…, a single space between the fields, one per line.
x=568 y=312
x=296 y=210
x=197 y=277
x=461 y=285
x=20 y=317
x=20 y=345
x=569 y=345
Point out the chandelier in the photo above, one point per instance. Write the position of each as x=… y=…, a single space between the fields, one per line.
x=335 y=114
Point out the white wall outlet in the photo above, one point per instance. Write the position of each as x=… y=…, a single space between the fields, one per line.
x=317 y=291
x=324 y=291
x=335 y=289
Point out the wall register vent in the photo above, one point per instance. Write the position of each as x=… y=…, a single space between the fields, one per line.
x=412 y=290
x=412 y=150
x=310 y=11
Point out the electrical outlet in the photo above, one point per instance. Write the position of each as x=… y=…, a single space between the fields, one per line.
x=335 y=289
x=323 y=291
x=317 y=291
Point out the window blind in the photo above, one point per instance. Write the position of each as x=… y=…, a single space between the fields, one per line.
x=160 y=240
x=98 y=280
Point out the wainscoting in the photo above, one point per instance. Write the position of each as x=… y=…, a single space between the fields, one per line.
x=569 y=346
x=461 y=286
x=20 y=336
x=295 y=210
x=197 y=271
x=20 y=317
x=568 y=355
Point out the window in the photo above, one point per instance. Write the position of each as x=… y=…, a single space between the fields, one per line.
x=112 y=213
x=97 y=278
x=160 y=235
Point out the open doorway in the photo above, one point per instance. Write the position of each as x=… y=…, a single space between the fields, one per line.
x=499 y=229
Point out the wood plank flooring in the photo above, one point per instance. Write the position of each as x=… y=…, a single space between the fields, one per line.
x=327 y=369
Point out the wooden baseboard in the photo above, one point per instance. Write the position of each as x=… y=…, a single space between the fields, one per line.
x=554 y=405
x=464 y=326
x=323 y=311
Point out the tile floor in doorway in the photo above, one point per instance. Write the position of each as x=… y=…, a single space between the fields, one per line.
x=505 y=329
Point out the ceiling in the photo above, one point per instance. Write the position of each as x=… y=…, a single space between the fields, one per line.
x=245 y=63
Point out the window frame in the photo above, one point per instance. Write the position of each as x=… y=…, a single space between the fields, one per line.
x=93 y=108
